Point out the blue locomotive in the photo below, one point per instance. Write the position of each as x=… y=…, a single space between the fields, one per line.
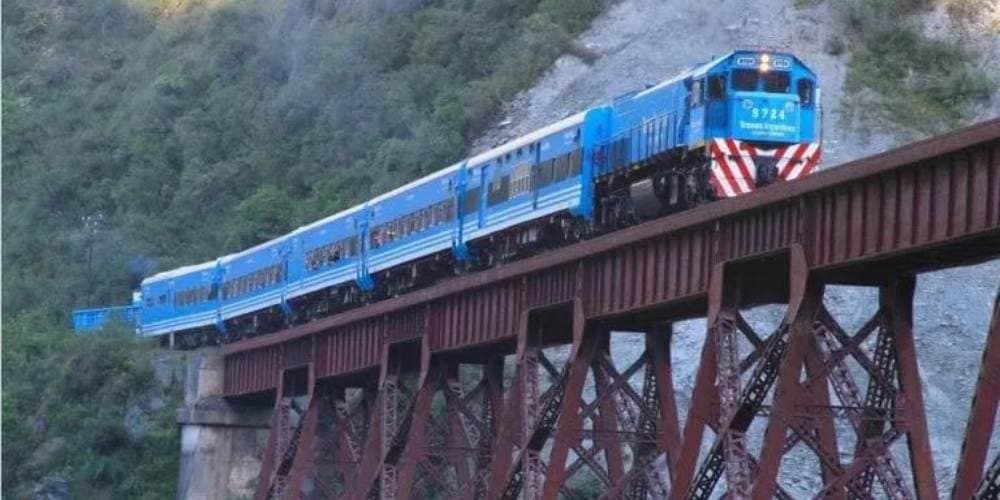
x=719 y=130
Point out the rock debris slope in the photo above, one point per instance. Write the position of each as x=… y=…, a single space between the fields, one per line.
x=644 y=41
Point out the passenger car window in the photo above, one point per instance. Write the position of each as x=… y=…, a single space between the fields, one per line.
x=545 y=173
x=575 y=161
x=520 y=182
x=745 y=79
x=471 y=200
x=561 y=168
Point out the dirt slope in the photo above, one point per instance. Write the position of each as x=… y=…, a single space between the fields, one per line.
x=645 y=41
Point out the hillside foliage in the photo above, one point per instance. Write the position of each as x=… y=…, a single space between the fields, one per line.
x=897 y=75
x=86 y=413
x=139 y=135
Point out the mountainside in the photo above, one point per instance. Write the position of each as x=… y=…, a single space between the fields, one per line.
x=891 y=71
x=139 y=135
x=142 y=135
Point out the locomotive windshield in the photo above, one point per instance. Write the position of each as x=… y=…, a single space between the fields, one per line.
x=776 y=82
x=745 y=79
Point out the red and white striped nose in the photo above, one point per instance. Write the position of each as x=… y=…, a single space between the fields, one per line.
x=734 y=169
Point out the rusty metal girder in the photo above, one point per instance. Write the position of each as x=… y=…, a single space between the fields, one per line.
x=979 y=428
x=293 y=428
x=750 y=401
x=849 y=394
x=877 y=221
x=928 y=205
x=635 y=411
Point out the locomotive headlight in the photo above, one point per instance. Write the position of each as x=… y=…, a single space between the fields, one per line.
x=765 y=63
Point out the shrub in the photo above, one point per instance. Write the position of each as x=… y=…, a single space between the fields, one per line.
x=899 y=75
x=64 y=400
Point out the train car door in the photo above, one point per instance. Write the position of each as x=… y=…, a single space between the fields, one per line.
x=285 y=251
x=218 y=295
x=696 y=112
x=361 y=225
x=484 y=183
x=536 y=160
x=716 y=117
x=458 y=186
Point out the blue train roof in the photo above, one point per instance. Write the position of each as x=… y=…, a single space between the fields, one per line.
x=180 y=271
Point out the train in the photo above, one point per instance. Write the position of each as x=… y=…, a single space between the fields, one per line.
x=721 y=129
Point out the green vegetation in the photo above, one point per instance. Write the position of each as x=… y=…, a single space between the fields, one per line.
x=139 y=135
x=900 y=76
x=68 y=405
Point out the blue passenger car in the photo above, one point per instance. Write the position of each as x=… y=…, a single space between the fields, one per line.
x=254 y=279
x=85 y=320
x=327 y=252
x=179 y=299
x=411 y=222
x=526 y=179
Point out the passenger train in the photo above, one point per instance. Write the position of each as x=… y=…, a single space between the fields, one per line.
x=721 y=129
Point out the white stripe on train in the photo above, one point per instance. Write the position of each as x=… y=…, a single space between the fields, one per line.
x=727 y=174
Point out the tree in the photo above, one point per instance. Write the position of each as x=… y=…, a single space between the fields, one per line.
x=263 y=216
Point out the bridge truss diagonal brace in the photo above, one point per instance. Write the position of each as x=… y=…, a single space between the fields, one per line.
x=338 y=450
x=570 y=422
x=805 y=300
x=703 y=411
x=388 y=428
x=288 y=454
x=416 y=436
x=863 y=416
x=719 y=403
x=895 y=360
x=650 y=424
x=529 y=418
x=737 y=406
x=467 y=434
x=970 y=476
x=897 y=305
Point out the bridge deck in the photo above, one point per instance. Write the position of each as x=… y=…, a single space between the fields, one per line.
x=928 y=205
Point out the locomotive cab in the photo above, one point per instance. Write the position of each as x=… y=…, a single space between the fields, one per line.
x=760 y=119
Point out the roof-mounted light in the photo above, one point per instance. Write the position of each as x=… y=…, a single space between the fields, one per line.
x=765 y=63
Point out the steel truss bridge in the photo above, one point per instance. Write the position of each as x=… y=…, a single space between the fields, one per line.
x=453 y=391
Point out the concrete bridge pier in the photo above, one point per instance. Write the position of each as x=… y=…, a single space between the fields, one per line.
x=221 y=442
